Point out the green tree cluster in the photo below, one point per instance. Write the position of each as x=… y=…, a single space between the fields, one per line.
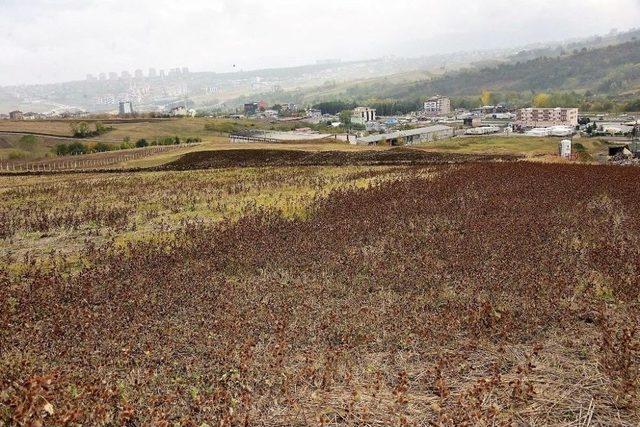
x=83 y=129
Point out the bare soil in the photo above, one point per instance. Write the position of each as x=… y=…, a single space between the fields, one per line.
x=266 y=157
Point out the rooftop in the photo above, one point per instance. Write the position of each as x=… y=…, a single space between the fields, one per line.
x=403 y=133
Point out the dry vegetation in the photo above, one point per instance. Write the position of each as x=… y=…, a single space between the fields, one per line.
x=473 y=294
x=59 y=212
x=248 y=157
x=515 y=145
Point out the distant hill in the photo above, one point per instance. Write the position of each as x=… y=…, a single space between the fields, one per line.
x=612 y=71
x=560 y=49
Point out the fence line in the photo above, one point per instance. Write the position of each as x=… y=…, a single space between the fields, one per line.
x=236 y=139
x=86 y=161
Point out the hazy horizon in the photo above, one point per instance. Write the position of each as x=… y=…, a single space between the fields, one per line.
x=46 y=42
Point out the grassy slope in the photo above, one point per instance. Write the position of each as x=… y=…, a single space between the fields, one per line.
x=528 y=146
x=14 y=147
x=184 y=128
x=53 y=127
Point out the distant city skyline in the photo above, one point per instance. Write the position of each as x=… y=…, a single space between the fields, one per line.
x=45 y=42
x=137 y=73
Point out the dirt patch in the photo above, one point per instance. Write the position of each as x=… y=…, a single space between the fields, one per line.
x=255 y=158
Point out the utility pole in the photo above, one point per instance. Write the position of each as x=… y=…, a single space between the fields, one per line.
x=636 y=138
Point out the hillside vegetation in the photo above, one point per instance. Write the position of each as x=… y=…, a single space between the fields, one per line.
x=601 y=74
x=607 y=70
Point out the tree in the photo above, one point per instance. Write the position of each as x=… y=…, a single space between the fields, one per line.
x=102 y=129
x=334 y=107
x=76 y=148
x=345 y=117
x=487 y=98
x=101 y=147
x=141 y=143
x=80 y=130
x=542 y=100
x=62 y=149
x=126 y=144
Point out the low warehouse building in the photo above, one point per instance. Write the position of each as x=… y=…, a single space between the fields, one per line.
x=409 y=137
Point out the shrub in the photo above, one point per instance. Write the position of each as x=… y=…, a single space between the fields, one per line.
x=101 y=147
x=17 y=155
x=61 y=149
x=76 y=148
x=28 y=141
x=82 y=130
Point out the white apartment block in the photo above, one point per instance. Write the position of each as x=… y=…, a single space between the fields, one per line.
x=437 y=106
x=547 y=117
x=362 y=115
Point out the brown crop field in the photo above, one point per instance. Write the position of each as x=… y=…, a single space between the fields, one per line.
x=248 y=157
x=475 y=293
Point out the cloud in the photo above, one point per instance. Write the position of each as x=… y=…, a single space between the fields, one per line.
x=46 y=40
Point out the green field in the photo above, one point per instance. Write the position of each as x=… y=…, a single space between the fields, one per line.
x=27 y=147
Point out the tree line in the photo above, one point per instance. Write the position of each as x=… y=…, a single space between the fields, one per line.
x=78 y=148
x=83 y=129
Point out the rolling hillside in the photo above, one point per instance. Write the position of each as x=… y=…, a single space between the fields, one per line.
x=613 y=71
x=609 y=70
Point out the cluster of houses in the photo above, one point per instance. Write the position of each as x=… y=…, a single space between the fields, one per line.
x=438 y=120
x=125 y=108
x=19 y=115
x=435 y=121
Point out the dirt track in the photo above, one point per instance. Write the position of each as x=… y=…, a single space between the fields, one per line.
x=255 y=158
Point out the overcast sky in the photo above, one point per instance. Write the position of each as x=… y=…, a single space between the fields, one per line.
x=58 y=40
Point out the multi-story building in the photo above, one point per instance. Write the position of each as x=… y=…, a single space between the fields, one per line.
x=16 y=115
x=152 y=73
x=125 y=107
x=250 y=108
x=437 y=106
x=546 y=117
x=138 y=73
x=362 y=115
